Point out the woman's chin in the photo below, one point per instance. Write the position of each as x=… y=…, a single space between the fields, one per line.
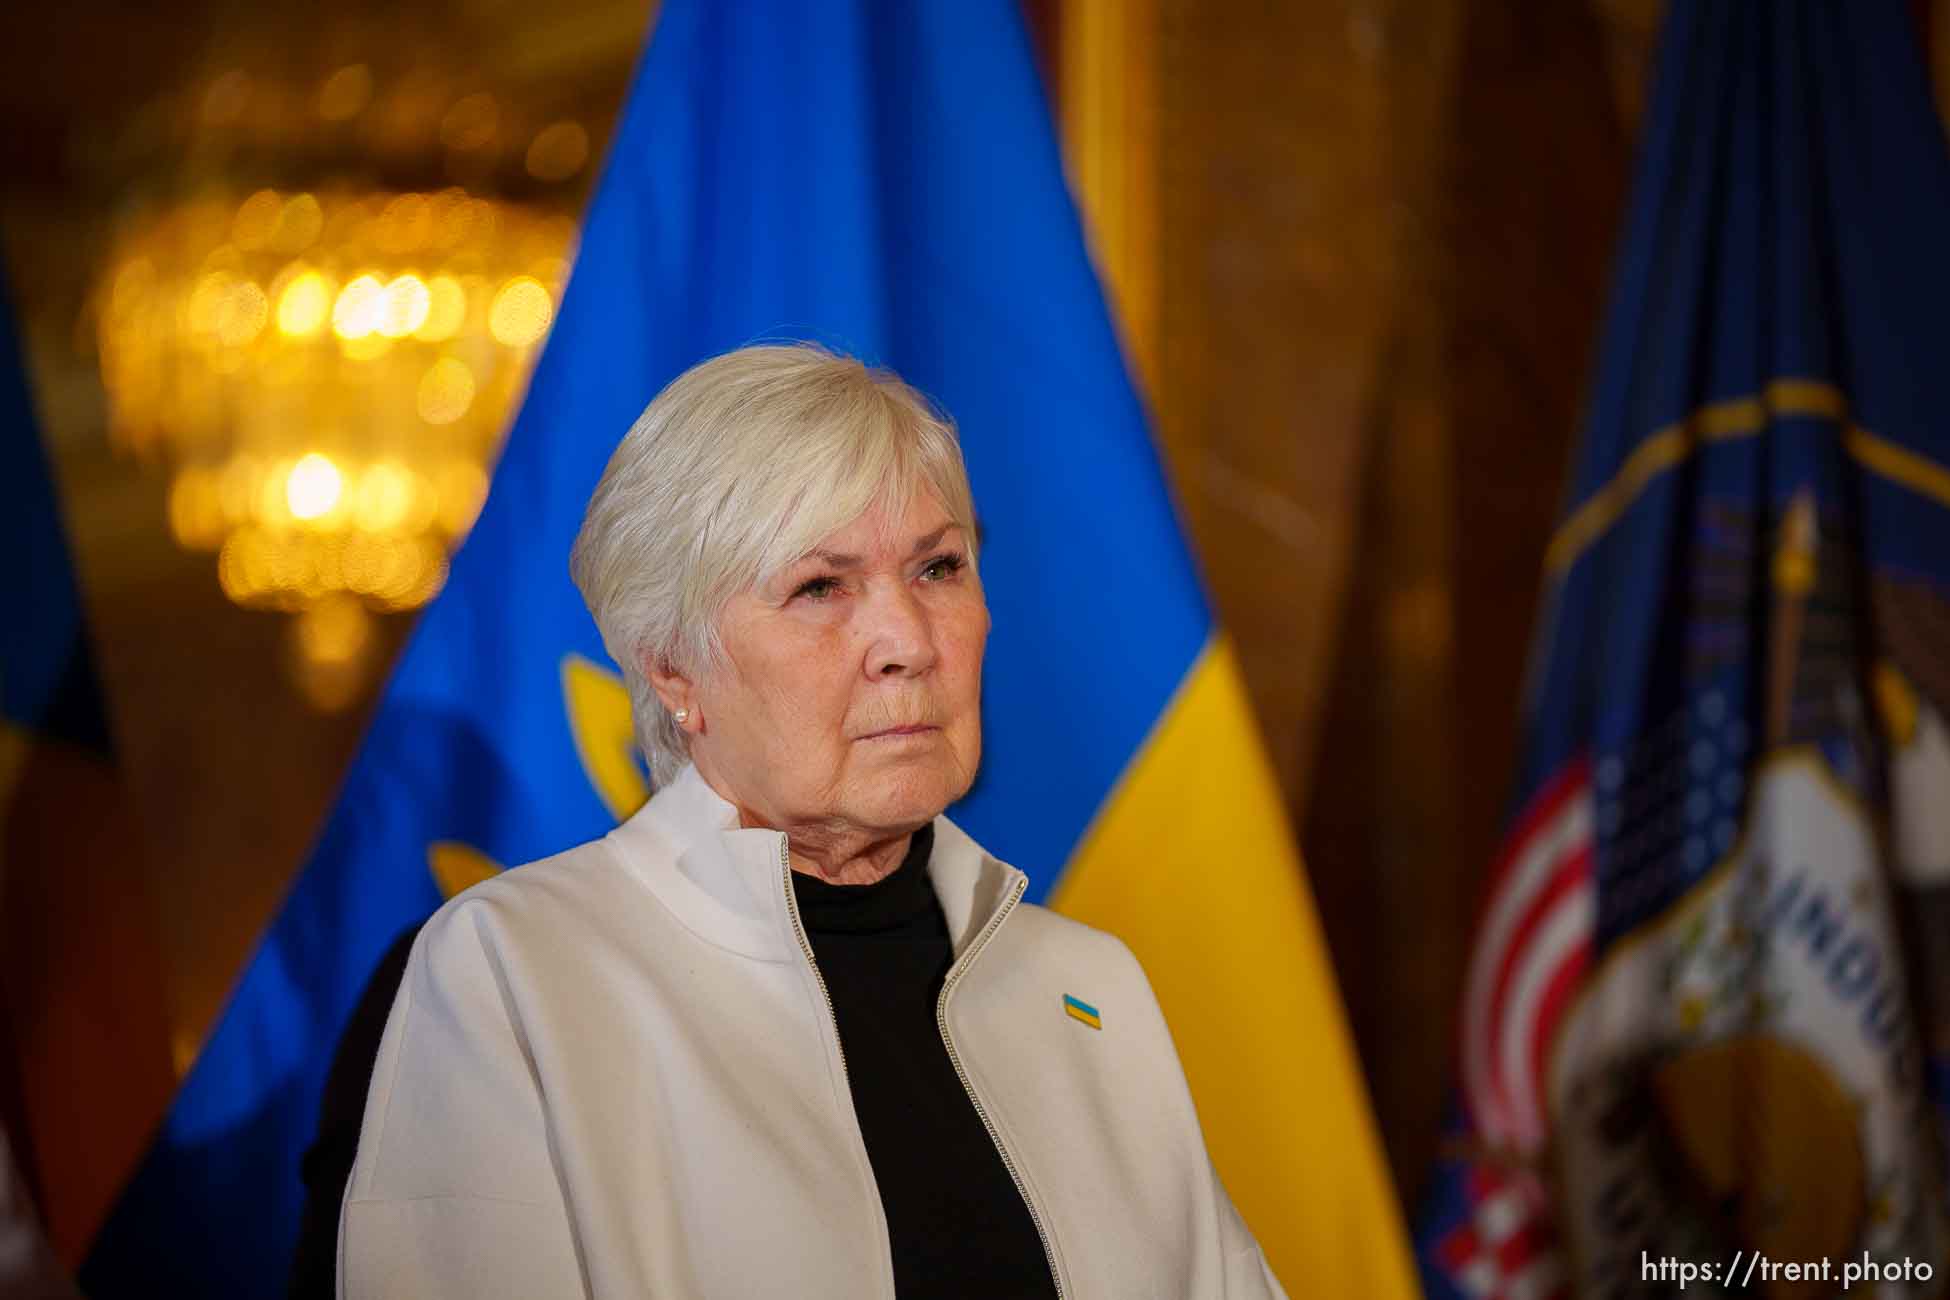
x=908 y=792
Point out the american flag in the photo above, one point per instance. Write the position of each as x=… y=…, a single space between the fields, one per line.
x=1531 y=951
x=1533 y=946
x=1505 y=1249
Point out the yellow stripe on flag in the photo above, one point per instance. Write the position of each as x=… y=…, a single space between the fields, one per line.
x=1192 y=864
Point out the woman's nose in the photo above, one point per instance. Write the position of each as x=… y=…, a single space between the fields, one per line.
x=900 y=636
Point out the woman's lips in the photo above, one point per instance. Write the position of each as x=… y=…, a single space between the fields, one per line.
x=893 y=732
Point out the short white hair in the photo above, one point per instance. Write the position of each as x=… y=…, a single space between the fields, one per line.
x=736 y=470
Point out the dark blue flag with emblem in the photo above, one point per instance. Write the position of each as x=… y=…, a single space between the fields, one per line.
x=1704 y=1023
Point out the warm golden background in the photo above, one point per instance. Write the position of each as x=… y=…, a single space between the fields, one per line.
x=1359 y=249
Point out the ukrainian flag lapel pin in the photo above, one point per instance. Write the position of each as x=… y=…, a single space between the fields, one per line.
x=1081 y=1010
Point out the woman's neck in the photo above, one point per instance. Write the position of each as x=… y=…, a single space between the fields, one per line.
x=836 y=852
x=875 y=861
x=837 y=856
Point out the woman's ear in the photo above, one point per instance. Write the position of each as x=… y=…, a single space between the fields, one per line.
x=675 y=691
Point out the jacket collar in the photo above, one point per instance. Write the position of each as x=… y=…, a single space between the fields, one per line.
x=728 y=885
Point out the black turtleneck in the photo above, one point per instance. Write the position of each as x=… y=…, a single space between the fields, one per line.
x=958 y=1225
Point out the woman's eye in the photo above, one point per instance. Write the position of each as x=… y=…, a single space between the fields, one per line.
x=942 y=567
x=817 y=589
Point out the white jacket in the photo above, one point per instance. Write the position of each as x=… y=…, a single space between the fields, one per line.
x=615 y=1073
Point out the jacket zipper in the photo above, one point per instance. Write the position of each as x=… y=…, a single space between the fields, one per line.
x=968 y=1086
x=805 y=946
x=832 y=1017
x=941 y=1023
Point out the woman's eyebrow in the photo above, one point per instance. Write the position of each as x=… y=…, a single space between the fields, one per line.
x=933 y=539
x=841 y=560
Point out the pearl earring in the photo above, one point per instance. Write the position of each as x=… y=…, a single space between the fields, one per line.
x=682 y=716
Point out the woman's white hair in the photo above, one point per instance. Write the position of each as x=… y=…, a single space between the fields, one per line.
x=736 y=470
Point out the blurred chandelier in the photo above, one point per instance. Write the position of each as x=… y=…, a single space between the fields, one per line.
x=324 y=377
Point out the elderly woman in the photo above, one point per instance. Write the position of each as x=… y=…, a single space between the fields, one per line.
x=787 y=1031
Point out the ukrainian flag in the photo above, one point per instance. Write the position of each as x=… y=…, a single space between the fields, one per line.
x=882 y=178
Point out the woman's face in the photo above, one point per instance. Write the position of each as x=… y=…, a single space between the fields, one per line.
x=850 y=697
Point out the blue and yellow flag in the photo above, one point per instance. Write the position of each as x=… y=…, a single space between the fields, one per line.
x=1703 y=1027
x=883 y=179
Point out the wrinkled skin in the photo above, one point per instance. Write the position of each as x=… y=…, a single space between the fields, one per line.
x=820 y=663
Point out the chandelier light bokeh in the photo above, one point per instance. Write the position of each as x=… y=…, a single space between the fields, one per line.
x=324 y=378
